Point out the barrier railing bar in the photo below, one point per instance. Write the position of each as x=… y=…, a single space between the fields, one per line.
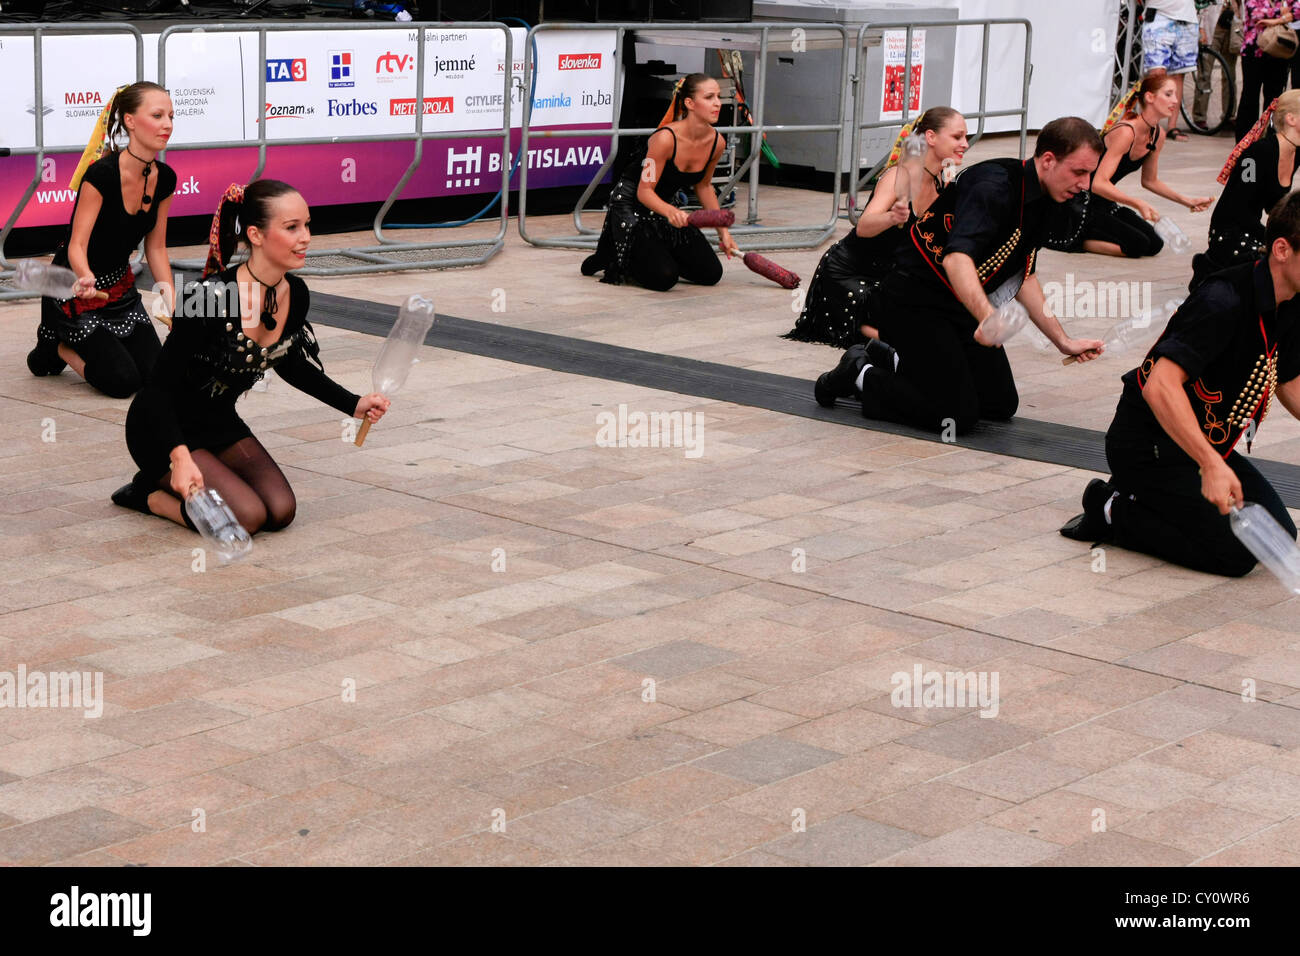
x=38 y=31
x=983 y=113
x=586 y=237
x=372 y=254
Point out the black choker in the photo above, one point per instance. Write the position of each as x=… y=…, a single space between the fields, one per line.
x=269 y=304
x=145 y=198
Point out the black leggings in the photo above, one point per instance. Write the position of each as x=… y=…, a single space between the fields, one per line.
x=1266 y=73
x=1124 y=227
x=118 y=367
x=1167 y=516
x=249 y=481
x=657 y=265
x=943 y=375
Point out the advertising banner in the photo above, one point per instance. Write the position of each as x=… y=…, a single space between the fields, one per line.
x=319 y=84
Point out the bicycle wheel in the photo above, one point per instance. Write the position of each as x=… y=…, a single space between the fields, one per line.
x=1209 y=93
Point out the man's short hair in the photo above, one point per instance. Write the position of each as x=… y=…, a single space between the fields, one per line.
x=1284 y=221
x=1063 y=136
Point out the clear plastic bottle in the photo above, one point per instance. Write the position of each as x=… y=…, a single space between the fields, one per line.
x=1269 y=542
x=1173 y=236
x=54 y=281
x=217 y=524
x=1009 y=318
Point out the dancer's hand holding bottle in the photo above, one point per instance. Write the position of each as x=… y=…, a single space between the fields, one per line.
x=371 y=408
x=185 y=474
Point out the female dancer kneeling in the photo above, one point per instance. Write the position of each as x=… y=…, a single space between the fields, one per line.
x=252 y=318
x=1096 y=220
x=112 y=344
x=1257 y=174
x=646 y=237
x=842 y=290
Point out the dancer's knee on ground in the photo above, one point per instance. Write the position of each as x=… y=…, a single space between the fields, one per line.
x=121 y=381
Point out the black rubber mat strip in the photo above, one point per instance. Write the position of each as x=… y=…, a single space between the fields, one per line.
x=1026 y=438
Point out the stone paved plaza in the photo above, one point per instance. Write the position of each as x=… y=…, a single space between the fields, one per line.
x=488 y=639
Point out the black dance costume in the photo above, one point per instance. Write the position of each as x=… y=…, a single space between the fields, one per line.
x=1236 y=345
x=993 y=212
x=1089 y=216
x=1236 y=225
x=642 y=245
x=116 y=339
x=206 y=364
x=844 y=290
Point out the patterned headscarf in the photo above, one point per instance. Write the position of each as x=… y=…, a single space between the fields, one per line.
x=98 y=142
x=234 y=194
x=1255 y=133
x=1121 y=107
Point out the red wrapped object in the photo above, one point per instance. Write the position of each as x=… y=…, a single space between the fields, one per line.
x=711 y=218
x=770 y=270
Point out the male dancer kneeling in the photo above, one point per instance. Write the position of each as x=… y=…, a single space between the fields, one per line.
x=1207 y=383
x=979 y=238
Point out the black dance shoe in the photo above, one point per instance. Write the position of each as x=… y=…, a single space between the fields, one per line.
x=132 y=496
x=44 y=359
x=592 y=264
x=841 y=381
x=1091 y=526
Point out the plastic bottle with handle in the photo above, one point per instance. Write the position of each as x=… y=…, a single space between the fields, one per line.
x=400 y=351
x=42 y=277
x=1008 y=319
x=217 y=524
x=1269 y=542
x=1173 y=236
x=911 y=166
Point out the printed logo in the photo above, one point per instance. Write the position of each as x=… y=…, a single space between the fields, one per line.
x=341 y=69
x=289 y=111
x=286 y=71
x=453 y=68
x=463 y=169
x=352 y=107
x=81 y=103
x=192 y=100
x=597 y=98
x=579 y=61
x=558 y=101
x=390 y=66
x=433 y=106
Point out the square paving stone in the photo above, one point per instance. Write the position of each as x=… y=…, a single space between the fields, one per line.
x=674 y=660
x=767 y=759
x=846 y=840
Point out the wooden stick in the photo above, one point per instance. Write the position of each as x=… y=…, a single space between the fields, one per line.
x=361 y=432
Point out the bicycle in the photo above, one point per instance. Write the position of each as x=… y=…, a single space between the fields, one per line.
x=1210 y=90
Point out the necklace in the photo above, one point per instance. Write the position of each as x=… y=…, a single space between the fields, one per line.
x=269 y=304
x=145 y=198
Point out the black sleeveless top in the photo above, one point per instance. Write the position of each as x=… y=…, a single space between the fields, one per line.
x=671 y=179
x=1127 y=163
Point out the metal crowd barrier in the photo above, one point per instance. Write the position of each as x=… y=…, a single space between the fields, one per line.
x=750 y=236
x=37 y=31
x=390 y=255
x=981 y=114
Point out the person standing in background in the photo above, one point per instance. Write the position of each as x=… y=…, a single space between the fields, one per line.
x=1259 y=71
x=1169 y=42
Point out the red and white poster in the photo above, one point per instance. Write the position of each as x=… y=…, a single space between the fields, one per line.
x=894 y=47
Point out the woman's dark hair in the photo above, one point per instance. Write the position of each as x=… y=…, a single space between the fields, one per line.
x=934 y=119
x=127 y=100
x=240 y=208
x=1284 y=222
x=691 y=84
